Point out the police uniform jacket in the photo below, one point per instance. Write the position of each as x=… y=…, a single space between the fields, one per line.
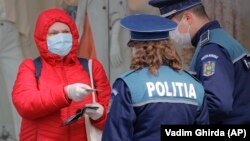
x=224 y=72
x=142 y=102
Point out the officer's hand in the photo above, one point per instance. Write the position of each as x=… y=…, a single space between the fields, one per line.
x=94 y=114
x=77 y=91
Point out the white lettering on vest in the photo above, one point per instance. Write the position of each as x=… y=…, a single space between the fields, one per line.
x=176 y=89
x=160 y=88
x=151 y=88
x=179 y=85
x=192 y=93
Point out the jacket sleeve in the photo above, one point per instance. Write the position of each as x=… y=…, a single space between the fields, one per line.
x=29 y=101
x=101 y=83
x=202 y=117
x=216 y=71
x=121 y=117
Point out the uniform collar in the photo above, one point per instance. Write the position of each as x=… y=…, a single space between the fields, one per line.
x=208 y=26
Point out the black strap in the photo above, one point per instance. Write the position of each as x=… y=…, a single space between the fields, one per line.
x=38 y=66
x=84 y=62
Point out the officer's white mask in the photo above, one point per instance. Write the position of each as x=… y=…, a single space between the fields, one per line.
x=181 y=38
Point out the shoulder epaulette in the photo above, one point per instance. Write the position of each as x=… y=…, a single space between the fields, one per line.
x=204 y=38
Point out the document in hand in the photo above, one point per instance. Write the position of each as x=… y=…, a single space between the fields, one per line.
x=78 y=115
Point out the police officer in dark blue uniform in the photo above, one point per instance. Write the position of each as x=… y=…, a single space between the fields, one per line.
x=220 y=62
x=156 y=91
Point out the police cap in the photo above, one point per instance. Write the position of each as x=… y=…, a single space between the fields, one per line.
x=170 y=7
x=145 y=27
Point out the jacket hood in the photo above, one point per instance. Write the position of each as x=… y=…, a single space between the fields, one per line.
x=44 y=21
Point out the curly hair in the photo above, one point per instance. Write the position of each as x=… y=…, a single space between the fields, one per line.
x=153 y=54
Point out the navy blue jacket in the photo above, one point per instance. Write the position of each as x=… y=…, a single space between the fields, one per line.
x=130 y=121
x=226 y=83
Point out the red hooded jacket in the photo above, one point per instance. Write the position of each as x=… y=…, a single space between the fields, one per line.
x=43 y=105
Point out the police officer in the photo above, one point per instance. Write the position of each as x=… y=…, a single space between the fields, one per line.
x=220 y=62
x=156 y=91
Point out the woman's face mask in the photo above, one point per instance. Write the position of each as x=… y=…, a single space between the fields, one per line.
x=181 y=38
x=59 y=39
x=60 y=44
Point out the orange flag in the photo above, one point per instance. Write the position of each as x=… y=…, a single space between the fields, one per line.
x=87 y=44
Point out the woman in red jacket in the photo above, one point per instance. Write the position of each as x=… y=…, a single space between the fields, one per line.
x=60 y=91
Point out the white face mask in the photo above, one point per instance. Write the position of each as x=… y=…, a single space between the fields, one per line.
x=60 y=44
x=180 y=38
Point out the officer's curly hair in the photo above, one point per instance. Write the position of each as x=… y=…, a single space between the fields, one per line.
x=153 y=54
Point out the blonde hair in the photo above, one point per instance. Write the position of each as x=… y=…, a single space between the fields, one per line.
x=153 y=54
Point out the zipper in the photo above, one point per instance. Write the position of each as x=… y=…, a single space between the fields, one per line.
x=65 y=81
x=63 y=73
